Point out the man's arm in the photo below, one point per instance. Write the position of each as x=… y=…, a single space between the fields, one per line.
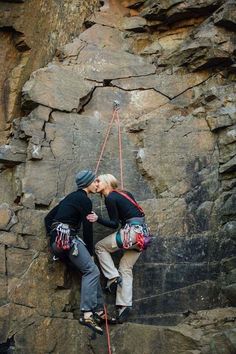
x=49 y=218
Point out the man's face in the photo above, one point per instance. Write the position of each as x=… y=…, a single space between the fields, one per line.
x=92 y=188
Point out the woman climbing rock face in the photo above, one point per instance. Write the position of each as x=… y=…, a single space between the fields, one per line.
x=122 y=209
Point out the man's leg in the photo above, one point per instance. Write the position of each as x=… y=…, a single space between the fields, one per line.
x=90 y=278
x=90 y=285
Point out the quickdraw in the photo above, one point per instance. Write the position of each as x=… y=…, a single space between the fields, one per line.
x=63 y=237
x=127 y=241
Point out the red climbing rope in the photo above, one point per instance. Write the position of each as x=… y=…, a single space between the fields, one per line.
x=115 y=117
x=120 y=150
x=107 y=331
x=105 y=141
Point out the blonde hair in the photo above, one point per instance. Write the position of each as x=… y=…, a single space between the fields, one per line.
x=109 y=180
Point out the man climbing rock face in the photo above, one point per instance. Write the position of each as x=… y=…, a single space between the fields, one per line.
x=63 y=224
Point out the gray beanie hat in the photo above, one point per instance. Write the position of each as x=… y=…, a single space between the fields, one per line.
x=84 y=178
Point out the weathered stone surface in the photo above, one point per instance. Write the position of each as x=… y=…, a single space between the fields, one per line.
x=188 y=337
x=3 y=261
x=11 y=155
x=104 y=18
x=30 y=222
x=168 y=130
x=7 y=186
x=43 y=337
x=32 y=127
x=230 y=293
x=168 y=84
x=225 y=16
x=104 y=37
x=18 y=261
x=223 y=341
x=102 y=64
x=230 y=229
x=175 y=10
x=133 y=24
x=165 y=219
x=229 y=264
x=45 y=171
x=4 y=322
x=43 y=278
x=229 y=207
x=57 y=87
x=30 y=33
x=133 y=104
x=229 y=166
x=178 y=134
x=12 y=239
x=7 y=217
x=209 y=46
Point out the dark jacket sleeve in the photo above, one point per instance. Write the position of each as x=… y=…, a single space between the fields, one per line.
x=113 y=215
x=87 y=226
x=49 y=218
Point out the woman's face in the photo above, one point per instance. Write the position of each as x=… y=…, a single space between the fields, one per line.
x=101 y=185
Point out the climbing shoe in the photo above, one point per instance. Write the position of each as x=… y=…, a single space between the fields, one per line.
x=123 y=314
x=91 y=323
x=101 y=318
x=112 y=285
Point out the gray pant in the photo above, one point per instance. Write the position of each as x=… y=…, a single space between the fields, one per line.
x=91 y=291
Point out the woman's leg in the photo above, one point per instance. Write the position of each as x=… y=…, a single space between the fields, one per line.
x=124 y=294
x=103 y=250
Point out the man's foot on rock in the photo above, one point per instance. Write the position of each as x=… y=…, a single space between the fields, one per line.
x=101 y=318
x=91 y=323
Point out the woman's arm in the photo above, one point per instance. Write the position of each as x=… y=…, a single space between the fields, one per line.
x=113 y=215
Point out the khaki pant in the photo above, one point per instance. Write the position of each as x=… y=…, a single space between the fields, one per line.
x=103 y=249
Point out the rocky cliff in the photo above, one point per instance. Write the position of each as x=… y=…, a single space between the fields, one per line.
x=171 y=66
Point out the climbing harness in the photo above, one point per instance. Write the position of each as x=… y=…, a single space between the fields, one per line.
x=115 y=118
x=64 y=240
x=136 y=234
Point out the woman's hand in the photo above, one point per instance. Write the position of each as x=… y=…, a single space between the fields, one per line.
x=92 y=217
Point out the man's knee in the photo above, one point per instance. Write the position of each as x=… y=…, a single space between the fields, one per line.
x=93 y=271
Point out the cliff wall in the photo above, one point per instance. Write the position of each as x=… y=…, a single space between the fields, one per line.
x=171 y=66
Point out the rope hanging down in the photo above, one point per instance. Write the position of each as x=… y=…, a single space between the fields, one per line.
x=107 y=331
x=115 y=118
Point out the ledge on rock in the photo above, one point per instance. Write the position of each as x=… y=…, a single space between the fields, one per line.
x=11 y=156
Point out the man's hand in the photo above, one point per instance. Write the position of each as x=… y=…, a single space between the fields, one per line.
x=92 y=217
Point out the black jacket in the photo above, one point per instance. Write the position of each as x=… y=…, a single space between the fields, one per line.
x=119 y=210
x=73 y=210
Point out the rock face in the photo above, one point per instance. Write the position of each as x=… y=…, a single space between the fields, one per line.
x=30 y=32
x=170 y=65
